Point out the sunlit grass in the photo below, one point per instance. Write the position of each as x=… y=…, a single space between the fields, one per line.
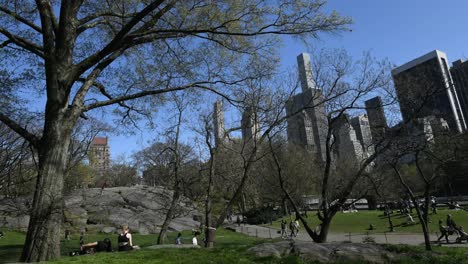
x=359 y=222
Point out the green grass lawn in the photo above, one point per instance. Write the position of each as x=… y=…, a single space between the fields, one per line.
x=231 y=247
x=359 y=222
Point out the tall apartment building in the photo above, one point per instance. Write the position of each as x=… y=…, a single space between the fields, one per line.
x=307 y=124
x=218 y=123
x=347 y=147
x=424 y=88
x=377 y=120
x=250 y=125
x=363 y=132
x=100 y=152
x=459 y=73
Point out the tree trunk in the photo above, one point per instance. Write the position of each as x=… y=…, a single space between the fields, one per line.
x=321 y=237
x=208 y=206
x=169 y=215
x=423 y=222
x=43 y=236
x=425 y=229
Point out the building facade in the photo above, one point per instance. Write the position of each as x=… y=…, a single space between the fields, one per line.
x=218 y=124
x=250 y=126
x=307 y=118
x=363 y=132
x=100 y=154
x=459 y=73
x=348 y=148
x=425 y=87
x=377 y=120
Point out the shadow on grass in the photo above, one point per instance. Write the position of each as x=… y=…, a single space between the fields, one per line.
x=10 y=253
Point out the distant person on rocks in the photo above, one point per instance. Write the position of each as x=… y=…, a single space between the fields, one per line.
x=125 y=240
x=238 y=221
x=104 y=185
x=1 y=234
x=178 y=240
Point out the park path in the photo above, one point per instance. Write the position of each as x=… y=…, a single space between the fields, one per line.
x=380 y=238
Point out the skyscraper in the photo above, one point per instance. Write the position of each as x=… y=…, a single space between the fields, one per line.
x=363 y=132
x=218 y=123
x=347 y=146
x=424 y=87
x=250 y=125
x=459 y=73
x=307 y=122
x=377 y=121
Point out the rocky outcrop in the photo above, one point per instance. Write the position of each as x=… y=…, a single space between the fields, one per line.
x=143 y=208
x=325 y=252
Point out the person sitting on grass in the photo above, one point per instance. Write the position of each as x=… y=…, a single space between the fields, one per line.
x=125 y=240
x=93 y=247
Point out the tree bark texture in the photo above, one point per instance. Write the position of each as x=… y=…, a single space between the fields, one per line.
x=43 y=235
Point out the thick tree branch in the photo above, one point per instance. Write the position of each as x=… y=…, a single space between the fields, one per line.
x=199 y=85
x=118 y=40
x=21 y=19
x=23 y=43
x=31 y=138
x=47 y=22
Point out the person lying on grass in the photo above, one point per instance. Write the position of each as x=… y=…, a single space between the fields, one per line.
x=90 y=248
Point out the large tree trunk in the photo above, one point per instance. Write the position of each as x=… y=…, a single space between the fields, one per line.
x=321 y=237
x=43 y=236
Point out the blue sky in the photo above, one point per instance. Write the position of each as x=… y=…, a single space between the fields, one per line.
x=399 y=30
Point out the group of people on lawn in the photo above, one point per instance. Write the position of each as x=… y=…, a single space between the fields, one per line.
x=124 y=240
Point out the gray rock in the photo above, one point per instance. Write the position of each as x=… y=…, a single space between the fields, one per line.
x=272 y=249
x=325 y=252
x=143 y=208
x=109 y=230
